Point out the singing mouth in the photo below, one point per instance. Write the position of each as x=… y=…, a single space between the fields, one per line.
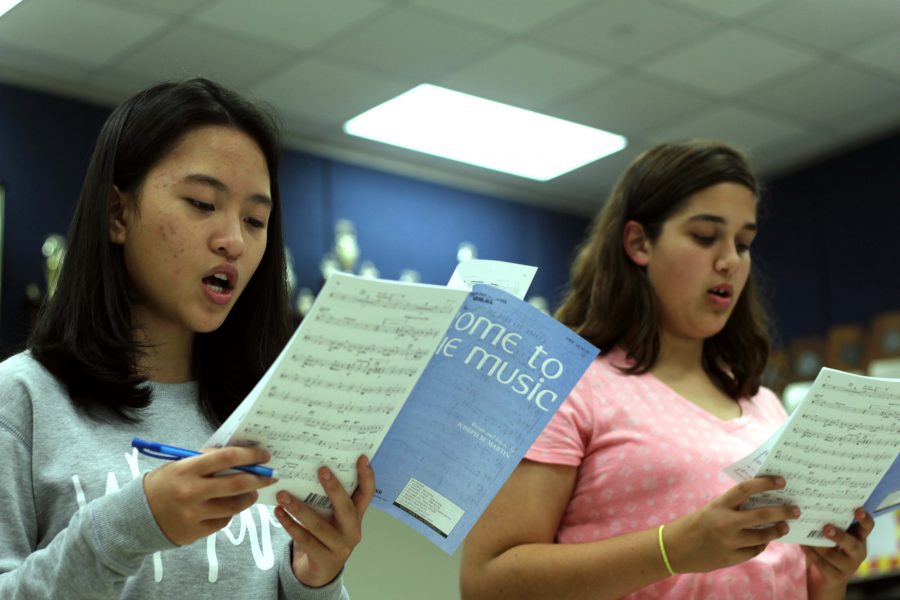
x=218 y=283
x=723 y=291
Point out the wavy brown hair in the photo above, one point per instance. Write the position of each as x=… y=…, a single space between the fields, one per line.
x=610 y=301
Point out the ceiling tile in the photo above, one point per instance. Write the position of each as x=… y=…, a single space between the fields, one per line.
x=29 y=65
x=298 y=24
x=629 y=105
x=297 y=125
x=193 y=50
x=166 y=7
x=779 y=156
x=102 y=51
x=327 y=92
x=117 y=85
x=883 y=53
x=602 y=174
x=873 y=121
x=823 y=93
x=830 y=24
x=731 y=62
x=57 y=28
x=525 y=76
x=623 y=32
x=728 y=9
x=514 y=16
x=747 y=129
x=411 y=44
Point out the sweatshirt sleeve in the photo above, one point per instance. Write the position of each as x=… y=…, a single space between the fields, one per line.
x=290 y=588
x=104 y=542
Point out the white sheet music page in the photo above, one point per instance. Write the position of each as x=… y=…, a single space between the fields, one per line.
x=337 y=386
x=833 y=451
x=512 y=278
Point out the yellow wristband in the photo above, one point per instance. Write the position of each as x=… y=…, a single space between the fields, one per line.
x=662 y=550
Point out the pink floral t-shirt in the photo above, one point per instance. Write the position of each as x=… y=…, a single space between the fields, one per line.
x=646 y=456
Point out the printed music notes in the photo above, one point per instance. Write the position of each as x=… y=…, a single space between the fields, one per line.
x=509 y=277
x=336 y=388
x=836 y=453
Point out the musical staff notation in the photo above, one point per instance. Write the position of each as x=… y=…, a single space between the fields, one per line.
x=365 y=367
x=356 y=426
x=398 y=329
x=399 y=351
x=340 y=383
x=362 y=389
x=394 y=301
x=836 y=447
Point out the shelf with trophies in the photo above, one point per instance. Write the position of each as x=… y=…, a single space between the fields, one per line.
x=345 y=256
x=53 y=250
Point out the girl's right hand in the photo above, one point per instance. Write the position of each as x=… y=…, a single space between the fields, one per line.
x=721 y=534
x=190 y=502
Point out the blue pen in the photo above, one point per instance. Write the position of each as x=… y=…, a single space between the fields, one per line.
x=157 y=450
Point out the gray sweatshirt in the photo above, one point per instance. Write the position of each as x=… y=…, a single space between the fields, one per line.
x=74 y=520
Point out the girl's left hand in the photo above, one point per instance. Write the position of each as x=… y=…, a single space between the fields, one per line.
x=829 y=569
x=321 y=545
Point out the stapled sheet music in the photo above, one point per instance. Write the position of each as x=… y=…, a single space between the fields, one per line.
x=445 y=389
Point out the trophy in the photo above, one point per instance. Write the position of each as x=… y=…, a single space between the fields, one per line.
x=54 y=251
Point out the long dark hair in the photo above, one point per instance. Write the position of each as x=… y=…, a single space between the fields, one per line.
x=84 y=335
x=610 y=300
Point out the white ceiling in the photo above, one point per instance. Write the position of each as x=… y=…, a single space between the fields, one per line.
x=789 y=81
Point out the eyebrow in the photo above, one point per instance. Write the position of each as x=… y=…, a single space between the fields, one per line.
x=750 y=226
x=220 y=186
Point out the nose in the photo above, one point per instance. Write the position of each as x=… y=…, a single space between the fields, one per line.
x=228 y=240
x=728 y=259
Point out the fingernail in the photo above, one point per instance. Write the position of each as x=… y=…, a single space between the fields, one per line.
x=284 y=498
x=364 y=461
x=780 y=482
x=325 y=474
x=795 y=511
x=783 y=528
x=829 y=531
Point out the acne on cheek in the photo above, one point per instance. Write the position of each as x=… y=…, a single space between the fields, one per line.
x=167 y=230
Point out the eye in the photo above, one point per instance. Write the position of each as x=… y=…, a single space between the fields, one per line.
x=204 y=206
x=742 y=247
x=254 y=222
x=704 y=240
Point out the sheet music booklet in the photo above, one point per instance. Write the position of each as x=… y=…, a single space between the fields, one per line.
x=837 y=451
x=444 y=389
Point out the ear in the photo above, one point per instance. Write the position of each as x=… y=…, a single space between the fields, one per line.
x=637 y=245
x=119 y=207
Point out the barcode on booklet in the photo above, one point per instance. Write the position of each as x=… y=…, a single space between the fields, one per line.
x=318 y=501
x=815 y=534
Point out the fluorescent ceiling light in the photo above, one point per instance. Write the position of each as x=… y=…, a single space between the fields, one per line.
x=7 y=5
x=482 y=132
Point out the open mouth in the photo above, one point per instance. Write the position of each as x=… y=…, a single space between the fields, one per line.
x=720 y=292
x=218 y=283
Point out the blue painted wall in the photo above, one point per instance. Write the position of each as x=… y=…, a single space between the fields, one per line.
x=45 y=145
x=830 y=245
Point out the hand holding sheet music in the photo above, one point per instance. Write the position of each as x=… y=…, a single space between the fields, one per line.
x=838 y=451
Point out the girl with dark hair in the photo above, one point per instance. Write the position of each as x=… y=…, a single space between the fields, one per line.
x=171 y=304
x=623 y=495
